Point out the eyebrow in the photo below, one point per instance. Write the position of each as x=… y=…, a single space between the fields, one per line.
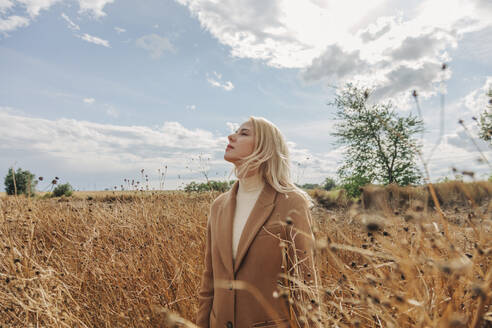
x=243 y=129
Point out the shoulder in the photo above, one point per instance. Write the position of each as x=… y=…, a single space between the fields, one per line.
x=219 y=201
x=295 y=206
x=293 y=199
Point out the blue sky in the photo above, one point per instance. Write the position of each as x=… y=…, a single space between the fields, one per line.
x=93 y=91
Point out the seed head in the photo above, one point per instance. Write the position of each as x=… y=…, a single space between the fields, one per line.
x=478 y=290
x=399 y=299
x=372 y=226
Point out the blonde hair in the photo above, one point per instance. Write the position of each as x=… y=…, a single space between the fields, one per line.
x=271 y=157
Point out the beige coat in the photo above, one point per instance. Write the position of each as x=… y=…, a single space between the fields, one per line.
x=240 y=294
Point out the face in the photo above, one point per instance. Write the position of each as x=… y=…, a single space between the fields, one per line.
x=241 y=143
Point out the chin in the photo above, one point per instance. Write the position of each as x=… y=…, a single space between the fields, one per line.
x=229 y=158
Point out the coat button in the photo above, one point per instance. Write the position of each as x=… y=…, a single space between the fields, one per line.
x=229 y=324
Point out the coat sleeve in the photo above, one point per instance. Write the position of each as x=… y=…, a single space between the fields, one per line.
x=301 y=263
x=206 y=292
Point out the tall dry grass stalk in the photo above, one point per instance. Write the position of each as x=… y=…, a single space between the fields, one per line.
x=136 y=261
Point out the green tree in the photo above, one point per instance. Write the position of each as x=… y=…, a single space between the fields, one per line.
x=329 y=184
x=63 y=190
x=20 y=182
x=485 y=122
x=380 y=145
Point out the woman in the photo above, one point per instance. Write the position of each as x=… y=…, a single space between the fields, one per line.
x=258 y=238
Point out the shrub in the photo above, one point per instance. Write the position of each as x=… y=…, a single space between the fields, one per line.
x=331 y=199
x=25 y=182
x=63 y=190
x=208 y=186
x=353 y=185
x=308 y=186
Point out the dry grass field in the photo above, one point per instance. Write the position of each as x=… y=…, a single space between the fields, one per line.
x=135 y=260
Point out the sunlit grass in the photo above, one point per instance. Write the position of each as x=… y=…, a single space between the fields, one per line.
x=119 y=259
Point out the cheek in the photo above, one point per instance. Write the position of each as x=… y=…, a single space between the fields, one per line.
x=243 y=148
x=250 y=146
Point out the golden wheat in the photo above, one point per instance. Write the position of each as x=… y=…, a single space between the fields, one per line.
x=135 y=259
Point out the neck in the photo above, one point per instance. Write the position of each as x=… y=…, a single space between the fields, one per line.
x=251 y=182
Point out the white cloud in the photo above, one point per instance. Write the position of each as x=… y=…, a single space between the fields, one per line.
x=94 y=6
x=33 y=7
x=232 y=126
x=88 y=146
x=469 y=141
x=71 y=24
x=12 y=23
x=314 y=167
x=283 y=33
x=376 y=30
x=216 y=81
x=484 y=7
x=346 y=40
x=191 y=107
x=119 y=30
x=424 y=45
x=228 y=86
x=459 y=151
x=398 y=80
x=155 y=44
x=94 y=39
x=477 y=100
x=5 y=5
x=89 y=101
x=334 y=62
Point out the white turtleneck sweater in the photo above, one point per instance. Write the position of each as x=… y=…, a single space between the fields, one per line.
x=247 y=194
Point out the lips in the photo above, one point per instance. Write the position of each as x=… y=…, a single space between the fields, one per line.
x=229 y=147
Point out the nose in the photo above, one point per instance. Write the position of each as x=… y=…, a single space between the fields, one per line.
x=230 y=137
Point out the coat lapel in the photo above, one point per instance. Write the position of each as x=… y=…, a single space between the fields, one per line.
x=259 y=214
x=225 y=226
